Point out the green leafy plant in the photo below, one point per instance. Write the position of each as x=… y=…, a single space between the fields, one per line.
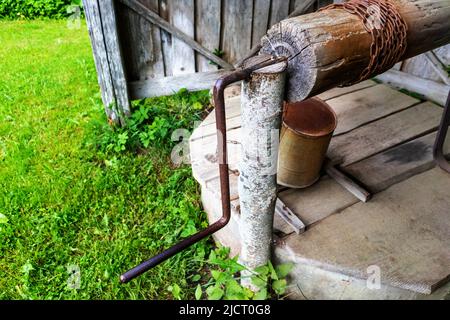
x=225 y=279
x=219 y=53
x=154 y=120
x=32 y=9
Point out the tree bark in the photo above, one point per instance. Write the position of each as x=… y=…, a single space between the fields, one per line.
x=262 y=104
x=333 y=47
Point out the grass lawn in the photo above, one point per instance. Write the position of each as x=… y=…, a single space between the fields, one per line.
x=67 y=200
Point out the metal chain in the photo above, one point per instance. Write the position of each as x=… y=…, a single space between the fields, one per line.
x=388 y=30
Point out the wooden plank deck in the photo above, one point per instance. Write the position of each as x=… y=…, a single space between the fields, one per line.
x=384 y=140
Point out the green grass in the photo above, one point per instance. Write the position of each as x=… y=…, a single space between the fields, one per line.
x=65 y=198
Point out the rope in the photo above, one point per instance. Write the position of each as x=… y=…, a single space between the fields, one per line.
x=388 y=29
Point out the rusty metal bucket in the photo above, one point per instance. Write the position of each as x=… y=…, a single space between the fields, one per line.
x=305 y=136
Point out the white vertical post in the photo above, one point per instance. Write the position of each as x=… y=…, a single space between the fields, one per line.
x=262 y=105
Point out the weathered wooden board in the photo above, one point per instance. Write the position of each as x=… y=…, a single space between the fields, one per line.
x=182 y=13
x=397 y=164
x=315 y=203
x=208 y=13
x=141 y=43
x=166 y=37
x=279 y=11
x=232 y=109
x=365 y=106
x=261 y=15
x=340 y=91
x=420 y=67
x=170 y=85
x=236 y=38
x=430 y=90
x=380 y=135
x=115 y=58
x=94 y=23
x=403 y=230
x=204 y=132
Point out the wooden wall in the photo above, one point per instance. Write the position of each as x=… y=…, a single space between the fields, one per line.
x=135 y=58
x=231 y=26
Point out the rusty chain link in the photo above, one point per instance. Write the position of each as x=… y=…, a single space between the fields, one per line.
x=388 y=30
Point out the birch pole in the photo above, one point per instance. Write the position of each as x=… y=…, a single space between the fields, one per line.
x=262 y=104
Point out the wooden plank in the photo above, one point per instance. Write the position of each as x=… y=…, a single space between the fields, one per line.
x=115 y=59
x=92 y=13
x=403 y=230
x=340 y=91
x=319 y=201
x=395 y=165
x=364 y=106
x=378 y=136
x=208 y=13
x=166 y=37
x=289 y=217
x=260 y=20
x=237 y=29
x=279 y=11
x=210 y=130
x=303 y=6
x=420 y=67
x=431 y=90
x=141 y=43
x=438 y=67
x=182 y=17
x=179 y=34
x=323 y=3
x=170 y=85
x=232 y=107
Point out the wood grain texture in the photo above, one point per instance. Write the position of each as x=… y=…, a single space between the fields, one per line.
x=340 y=91
x=115 y=59
x=279 y=11
x=365 y=106
x=208 y=19
x=261 y=15
x=380 y=135
x=182 y=17
x=170 y=85
x=94 y=24
x=236 y=38
x=403 y=231
x=166 y=37
x=395 y=165
x=325 y=44
x=431 y=90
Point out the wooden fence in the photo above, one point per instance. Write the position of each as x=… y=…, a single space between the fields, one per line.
x=145 y=48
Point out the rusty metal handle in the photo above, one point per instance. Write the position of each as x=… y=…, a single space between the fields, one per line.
x=219 y=102
x=438 y=150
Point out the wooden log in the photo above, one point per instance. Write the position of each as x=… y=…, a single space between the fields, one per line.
x=431 y=90
x=329 y=48
x=262 y=104
x=300 y=8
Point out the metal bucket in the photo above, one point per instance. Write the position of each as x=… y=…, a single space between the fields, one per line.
x=305 y=136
